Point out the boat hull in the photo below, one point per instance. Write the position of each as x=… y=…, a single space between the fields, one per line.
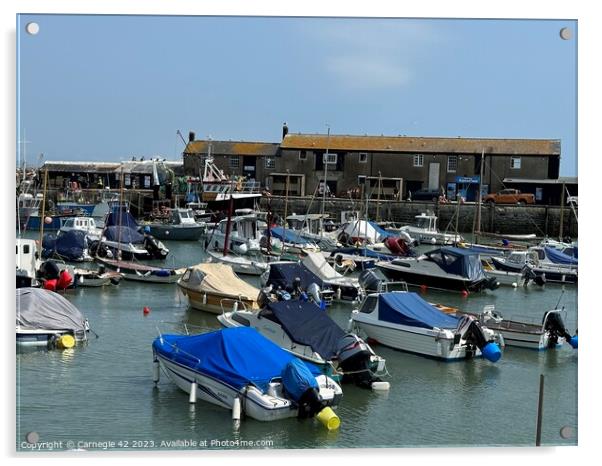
x=430 y=281
x=552 y=275
x=177 y=232
x=216 y=303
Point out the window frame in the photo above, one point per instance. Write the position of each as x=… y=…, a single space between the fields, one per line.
x=513 y=166
x=302 y=155
x=232 y=159
x=418 y=160
x=449 y=159
x=269 y=163
x=365 y=157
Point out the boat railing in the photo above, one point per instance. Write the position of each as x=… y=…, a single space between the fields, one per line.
x=236 y=304
x=384 y=287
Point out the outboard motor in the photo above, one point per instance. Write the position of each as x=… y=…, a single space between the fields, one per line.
x=302 y=387
x=354 y=359
x=491 y=283
x=49 y=270
x=554 y=325
x=530 y=275
x=471 y=330
x=371 y=280
x=154 y=247
x=313 y=291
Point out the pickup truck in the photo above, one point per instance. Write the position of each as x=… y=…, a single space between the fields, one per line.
x=509 y=196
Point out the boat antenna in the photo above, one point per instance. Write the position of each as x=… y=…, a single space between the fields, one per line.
x=561 y=294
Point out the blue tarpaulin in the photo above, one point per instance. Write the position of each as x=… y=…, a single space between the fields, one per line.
x=458 y=261
x=560 y=258
x=121 y=217
x=287 y=235
x=364 y=252
x=297 y=379
x=381 y=231
x=282 y=275
x=123 y=234
x=307 y=324
x=71 y=244
x=236 y=356
x=410 y=309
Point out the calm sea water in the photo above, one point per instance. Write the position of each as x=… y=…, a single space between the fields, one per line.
x=103 y=392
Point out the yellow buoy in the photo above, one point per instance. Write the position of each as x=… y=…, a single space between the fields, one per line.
x=328 y=417
x=66 y=341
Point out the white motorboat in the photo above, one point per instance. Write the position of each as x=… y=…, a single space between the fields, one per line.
x=247 y=264
x=215 y=287
x=179 y=224
x=305 y=330
x=47 y=319
x=345 y=288
x=27 y=263
x=244 y=235
x=517 y=260
x=86 y=224
x=425 y=231
x=311 y=227
x=404 y=321
x=551 y=332
x=240 y=370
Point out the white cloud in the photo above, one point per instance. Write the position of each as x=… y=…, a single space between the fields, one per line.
x=359 y=71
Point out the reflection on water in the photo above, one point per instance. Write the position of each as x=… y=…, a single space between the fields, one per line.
x=103 y=390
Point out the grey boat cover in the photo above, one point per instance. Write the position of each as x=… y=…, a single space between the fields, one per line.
x=46 y=310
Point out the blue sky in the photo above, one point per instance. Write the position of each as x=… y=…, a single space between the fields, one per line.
x=109 y=87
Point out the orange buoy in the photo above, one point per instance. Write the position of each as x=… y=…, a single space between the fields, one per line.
x=146 y=310
x=464 y=293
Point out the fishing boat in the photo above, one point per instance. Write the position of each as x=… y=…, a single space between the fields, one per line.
x=345 y=288
x=240 y=370
x=179 y=226
x=247 y=264
x=550 y=333
x=425 y=230
x=138 y=272
x=47 y=319
x=27 y=263
x=86 y=224
x=306 y=331
x=96 y=278
x=215 y=287
x=404 y=321
x=446 y=268
x=517 y=260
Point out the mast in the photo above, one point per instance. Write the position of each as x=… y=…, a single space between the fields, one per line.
x=378 y=197
x=42 y=218
x=560 y=232
x=120 y=214
x=229 y=222
x=324 y=185
x=286 y=198
x=479 y=196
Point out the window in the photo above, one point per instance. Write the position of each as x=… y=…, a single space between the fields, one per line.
x=234 y=162
x=515 y=163
x=452 y=163
x=418 y=160
x=270 y=162
x=330 y=159
x=302 y=155
x=363 y=157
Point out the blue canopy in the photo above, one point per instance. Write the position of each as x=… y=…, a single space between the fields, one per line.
x=123 y=234
x=475 y=248
x=559 y=257
x=282 y=275
x=236 y=356
x=458 y=261
x=410 y=309
x=381 y=231
x=307 y=324
x=120 y=216
x=287 y=235
x=71 y=244
x=364 y=252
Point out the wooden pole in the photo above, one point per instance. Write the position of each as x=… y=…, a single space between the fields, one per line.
x=539 y=411
x=43 y=217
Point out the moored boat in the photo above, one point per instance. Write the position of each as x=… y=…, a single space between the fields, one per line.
x=136 y=271
x=180 y=226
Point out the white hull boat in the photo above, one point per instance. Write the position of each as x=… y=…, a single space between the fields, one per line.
x=345 y=288
x=246 y=265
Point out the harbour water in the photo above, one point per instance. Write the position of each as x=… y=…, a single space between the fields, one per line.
x=101 y=394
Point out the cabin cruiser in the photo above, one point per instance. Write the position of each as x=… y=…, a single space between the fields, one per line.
x=425 y=230
x=27 y=263
x=180 y=225
x=285 y=240
x=241 y=370
x=446 y=268
x=345 y=288
x=517 y=260
x=404 y=321
x=47 y=319
x=362 y=232
x=552 y=257
x=311 y=227
x=550 y=333
x=216 y=288
x=306 y=331
x=244 y=235
x=86 y=224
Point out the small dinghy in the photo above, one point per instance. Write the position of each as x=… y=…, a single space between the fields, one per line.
x=215 y=288
x=240 y=370
x=141 y=272
x=305 y=330
x=47 y=319
x=406 y=322
x=96 y=278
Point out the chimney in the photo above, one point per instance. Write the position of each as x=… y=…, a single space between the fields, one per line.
x=284 y=130
x=191 y=136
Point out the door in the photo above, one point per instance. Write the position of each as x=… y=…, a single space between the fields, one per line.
x=249 y=165
x=434 y=175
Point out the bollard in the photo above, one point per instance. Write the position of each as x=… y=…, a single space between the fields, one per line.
x=539 y=412
x=192 y=398
x=156 y=372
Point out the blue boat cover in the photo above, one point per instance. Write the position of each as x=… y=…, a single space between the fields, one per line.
x=71 y=244
x=559 y=257
x=307 y=324
x=48 y=242
x=123 y=234
x=410 y=309
x=287 y=235
x=381 y=231
x=282 y=275
x=121 y=217
x=297 y=379
x=364 y=252
x=236 y=356
x=458 y=261
x=475 y=248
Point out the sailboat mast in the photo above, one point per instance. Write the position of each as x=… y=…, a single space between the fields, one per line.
x=479 y=198
x=324 y=185
x=42 y=218
x=229 y=222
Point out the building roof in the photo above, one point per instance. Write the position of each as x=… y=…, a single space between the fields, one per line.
x=131 y=166
x=233 y=148
x=560 y=180
x=422 y=144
